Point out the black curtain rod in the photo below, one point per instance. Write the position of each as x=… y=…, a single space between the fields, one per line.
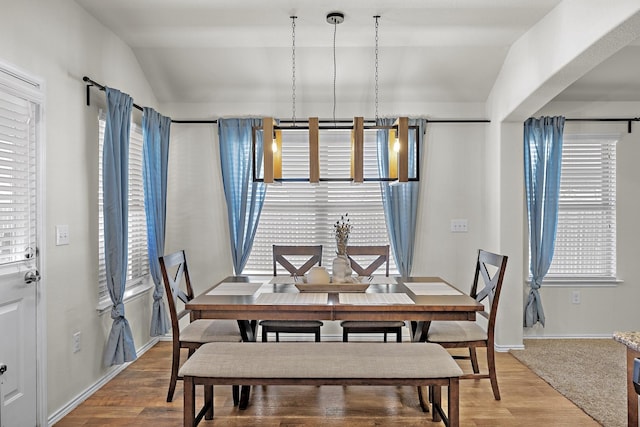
x=91 y=82
x=629 y=120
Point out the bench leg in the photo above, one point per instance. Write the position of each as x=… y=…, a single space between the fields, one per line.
x=189 y=402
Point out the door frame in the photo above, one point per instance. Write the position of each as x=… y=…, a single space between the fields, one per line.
x=33 y=88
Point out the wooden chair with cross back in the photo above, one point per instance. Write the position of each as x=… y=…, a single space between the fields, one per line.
x=375 y=257
x=306 y=257
x=487 y=284
x=175 y=274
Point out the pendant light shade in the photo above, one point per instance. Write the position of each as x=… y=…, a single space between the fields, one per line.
x=357 y=150
x=314 y=151
x=402 y=132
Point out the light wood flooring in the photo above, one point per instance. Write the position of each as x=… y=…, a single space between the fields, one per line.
x=137 y=397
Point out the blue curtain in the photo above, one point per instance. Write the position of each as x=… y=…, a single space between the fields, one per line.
x=115 y=181
x=542 y=167
x=155 y=158
x=400 y=201
x=244 y=197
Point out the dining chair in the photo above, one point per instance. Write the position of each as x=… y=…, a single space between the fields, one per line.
x=306 y=257
x=487 y=284
x=375 y=257
x=175 y=273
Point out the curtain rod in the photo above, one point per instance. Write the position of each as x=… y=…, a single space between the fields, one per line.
x=91 y=82
x=629 y=120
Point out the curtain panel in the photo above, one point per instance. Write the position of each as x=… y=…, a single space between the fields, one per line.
x=400 y=201
x=542 y=169
x=155 y=158
x=244 y=197
x=115 y=177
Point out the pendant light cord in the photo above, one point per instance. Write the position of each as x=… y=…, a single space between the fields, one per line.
x=376 y=76
x=335 y=28
x=293 y=69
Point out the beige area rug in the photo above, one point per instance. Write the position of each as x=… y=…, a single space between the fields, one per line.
x=589 y=372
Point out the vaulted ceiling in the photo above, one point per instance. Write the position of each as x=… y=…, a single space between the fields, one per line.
x=199 y=51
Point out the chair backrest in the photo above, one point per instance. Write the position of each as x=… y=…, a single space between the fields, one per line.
x=490 y=267
x=312 y=255
x=380 y=254
x=174 y=273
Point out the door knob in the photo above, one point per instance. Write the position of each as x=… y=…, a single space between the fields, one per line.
x=32 y=276
x=3 y=368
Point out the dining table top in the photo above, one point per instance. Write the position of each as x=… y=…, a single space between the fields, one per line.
x=386 y=298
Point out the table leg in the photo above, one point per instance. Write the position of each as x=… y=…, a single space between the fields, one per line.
x=248 y=333
x=419 y=330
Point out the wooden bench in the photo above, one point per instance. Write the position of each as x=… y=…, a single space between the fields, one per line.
x=327 y=363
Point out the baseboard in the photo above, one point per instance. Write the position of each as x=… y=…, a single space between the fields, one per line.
x=568 y=337
x=111 y=373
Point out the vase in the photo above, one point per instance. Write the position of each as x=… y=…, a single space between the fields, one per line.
x=341 y=269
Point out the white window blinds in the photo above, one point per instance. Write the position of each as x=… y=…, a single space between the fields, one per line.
x=298 y=213
x=138 y=263
x=585 y=246
x=17 y=178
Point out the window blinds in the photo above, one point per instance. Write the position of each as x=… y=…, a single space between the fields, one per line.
x=17 y=178
x=586 y=235
x=138 y=263
x=298 y=213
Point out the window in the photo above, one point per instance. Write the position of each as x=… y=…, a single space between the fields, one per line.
x=17 y=178
x=138 y=263
x=303 y=214
x=585 y=247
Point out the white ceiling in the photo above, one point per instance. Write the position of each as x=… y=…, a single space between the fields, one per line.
x=435 y=50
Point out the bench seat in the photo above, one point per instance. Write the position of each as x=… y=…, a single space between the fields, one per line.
x=326 y=363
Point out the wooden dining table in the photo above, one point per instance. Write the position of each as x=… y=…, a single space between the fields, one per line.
x=424 y=299
x=248 y=299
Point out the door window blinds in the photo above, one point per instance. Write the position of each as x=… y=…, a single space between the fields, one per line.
x=17 y=178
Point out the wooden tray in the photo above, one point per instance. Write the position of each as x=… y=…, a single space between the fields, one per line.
x=332 y=287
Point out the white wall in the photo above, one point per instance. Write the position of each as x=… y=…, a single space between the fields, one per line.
x=57 y=41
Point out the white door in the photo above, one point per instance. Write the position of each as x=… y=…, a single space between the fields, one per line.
x=19 y=256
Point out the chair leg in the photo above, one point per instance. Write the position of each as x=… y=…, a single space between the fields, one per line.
x=175 y=365
x=236 y=394
x=317 y=336
x=277 y=336
x=399 y=335
x=345 y=335
x=474 y=360
x=491 y=363
x=264 y=334
x=385 y=337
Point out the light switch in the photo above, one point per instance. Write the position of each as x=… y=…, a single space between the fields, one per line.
x=62 y=235
x=459 y=226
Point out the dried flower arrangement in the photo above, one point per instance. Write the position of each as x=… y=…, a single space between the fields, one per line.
x=342 y=228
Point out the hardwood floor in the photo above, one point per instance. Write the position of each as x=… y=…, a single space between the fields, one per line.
x=136 y=397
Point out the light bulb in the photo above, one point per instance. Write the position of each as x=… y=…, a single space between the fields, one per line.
x=396 y=145
x=274 y=146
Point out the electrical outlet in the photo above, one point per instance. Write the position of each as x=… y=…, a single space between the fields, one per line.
x=76 y=342
x=575 y=297
x=459 y=225
x=62 y=235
